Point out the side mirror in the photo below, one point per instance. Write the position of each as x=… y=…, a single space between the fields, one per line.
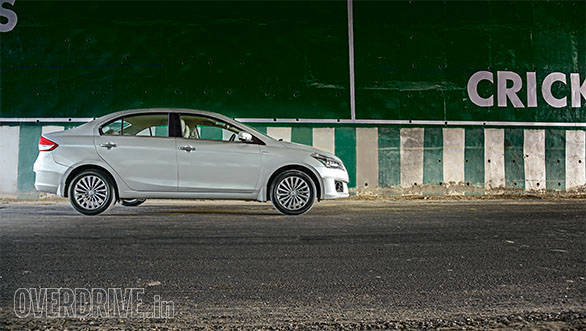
x=244 y=136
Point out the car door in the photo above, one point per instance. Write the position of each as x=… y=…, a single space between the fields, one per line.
x=211 y=159
x=139 y=149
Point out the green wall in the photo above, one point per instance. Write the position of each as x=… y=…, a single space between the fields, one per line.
x=286 y=59
x=254 y=59
x=414 y=59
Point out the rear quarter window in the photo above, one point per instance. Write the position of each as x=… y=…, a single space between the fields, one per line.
x=112 y=128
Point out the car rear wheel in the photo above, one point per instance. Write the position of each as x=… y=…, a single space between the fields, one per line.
x=293 y=192
x=132 y=202
x=91 y=193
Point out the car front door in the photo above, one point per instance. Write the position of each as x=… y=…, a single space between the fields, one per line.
x=210 y=158
x=140 y=150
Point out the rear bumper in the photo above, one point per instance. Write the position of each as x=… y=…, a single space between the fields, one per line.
x=48 y=174
x=329 y=178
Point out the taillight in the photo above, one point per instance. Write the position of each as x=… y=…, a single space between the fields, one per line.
x=46 y=145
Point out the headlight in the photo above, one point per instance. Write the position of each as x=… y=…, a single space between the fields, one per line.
x=327 y=161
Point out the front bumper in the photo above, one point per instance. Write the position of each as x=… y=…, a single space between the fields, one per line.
x=329 y=178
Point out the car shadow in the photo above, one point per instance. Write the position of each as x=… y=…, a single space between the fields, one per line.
x=203 y=210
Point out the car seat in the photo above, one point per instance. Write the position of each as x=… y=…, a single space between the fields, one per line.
x=184 y=129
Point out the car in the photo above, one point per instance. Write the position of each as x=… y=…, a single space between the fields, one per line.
x=140 y=154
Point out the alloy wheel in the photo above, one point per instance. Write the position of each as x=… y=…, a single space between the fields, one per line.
x=293 y=193
x=91 y=192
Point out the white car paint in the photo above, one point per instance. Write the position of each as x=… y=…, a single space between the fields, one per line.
x=159 y=167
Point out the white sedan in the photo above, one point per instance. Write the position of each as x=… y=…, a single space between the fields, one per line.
x=134 y=155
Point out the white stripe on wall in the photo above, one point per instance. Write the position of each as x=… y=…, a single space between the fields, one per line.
x=280 y=133
x=575 y=155
x=494 y=158
x=51 y=128
x=453 y=155
x=9 y=137
x=534 y=159
x=324 y=139
x=366 y=157
x=411 y=156
x=226 y=134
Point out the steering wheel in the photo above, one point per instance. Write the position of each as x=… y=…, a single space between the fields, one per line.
x=232 y=137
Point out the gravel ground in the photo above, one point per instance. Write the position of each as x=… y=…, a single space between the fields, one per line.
x=345 y=265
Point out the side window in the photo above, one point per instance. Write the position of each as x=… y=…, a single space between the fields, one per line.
x=200 y=127
x=150 y=125
x=112 y=128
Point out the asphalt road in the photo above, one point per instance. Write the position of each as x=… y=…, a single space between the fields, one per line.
x=345 y=264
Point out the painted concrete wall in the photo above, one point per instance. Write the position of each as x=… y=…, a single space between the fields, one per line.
x=410 y=63
x=529 y=159
x=413 y=60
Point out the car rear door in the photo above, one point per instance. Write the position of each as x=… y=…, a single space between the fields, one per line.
x=140 y=150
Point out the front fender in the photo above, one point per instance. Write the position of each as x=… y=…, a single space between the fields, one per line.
x=273 y=171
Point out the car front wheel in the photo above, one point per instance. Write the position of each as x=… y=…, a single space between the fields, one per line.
x=90 y=192
x=293 y=192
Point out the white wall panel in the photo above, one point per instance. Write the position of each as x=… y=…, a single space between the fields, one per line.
x=366 y=157
x=534 y=159
x=453 y=155
x=280 y=133
x=324 y=139
x=575 y=155
x=494 y=158
x=9 y=139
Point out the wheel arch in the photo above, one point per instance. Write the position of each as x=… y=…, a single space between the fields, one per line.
x=84 y=167
x=304 y=169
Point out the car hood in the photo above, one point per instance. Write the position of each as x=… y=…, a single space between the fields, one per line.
x=305 y=148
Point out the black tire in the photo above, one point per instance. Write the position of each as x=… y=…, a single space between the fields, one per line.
x=132 y=202
x=289 y=188
x=95 y=193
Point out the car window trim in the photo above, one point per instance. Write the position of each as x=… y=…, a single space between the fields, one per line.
x=178 y=130
x=132 y=115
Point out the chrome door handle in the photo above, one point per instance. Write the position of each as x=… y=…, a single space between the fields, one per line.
x=187 y=148
x=108 y=145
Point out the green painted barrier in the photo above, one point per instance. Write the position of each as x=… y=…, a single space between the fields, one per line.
x=414 y=60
